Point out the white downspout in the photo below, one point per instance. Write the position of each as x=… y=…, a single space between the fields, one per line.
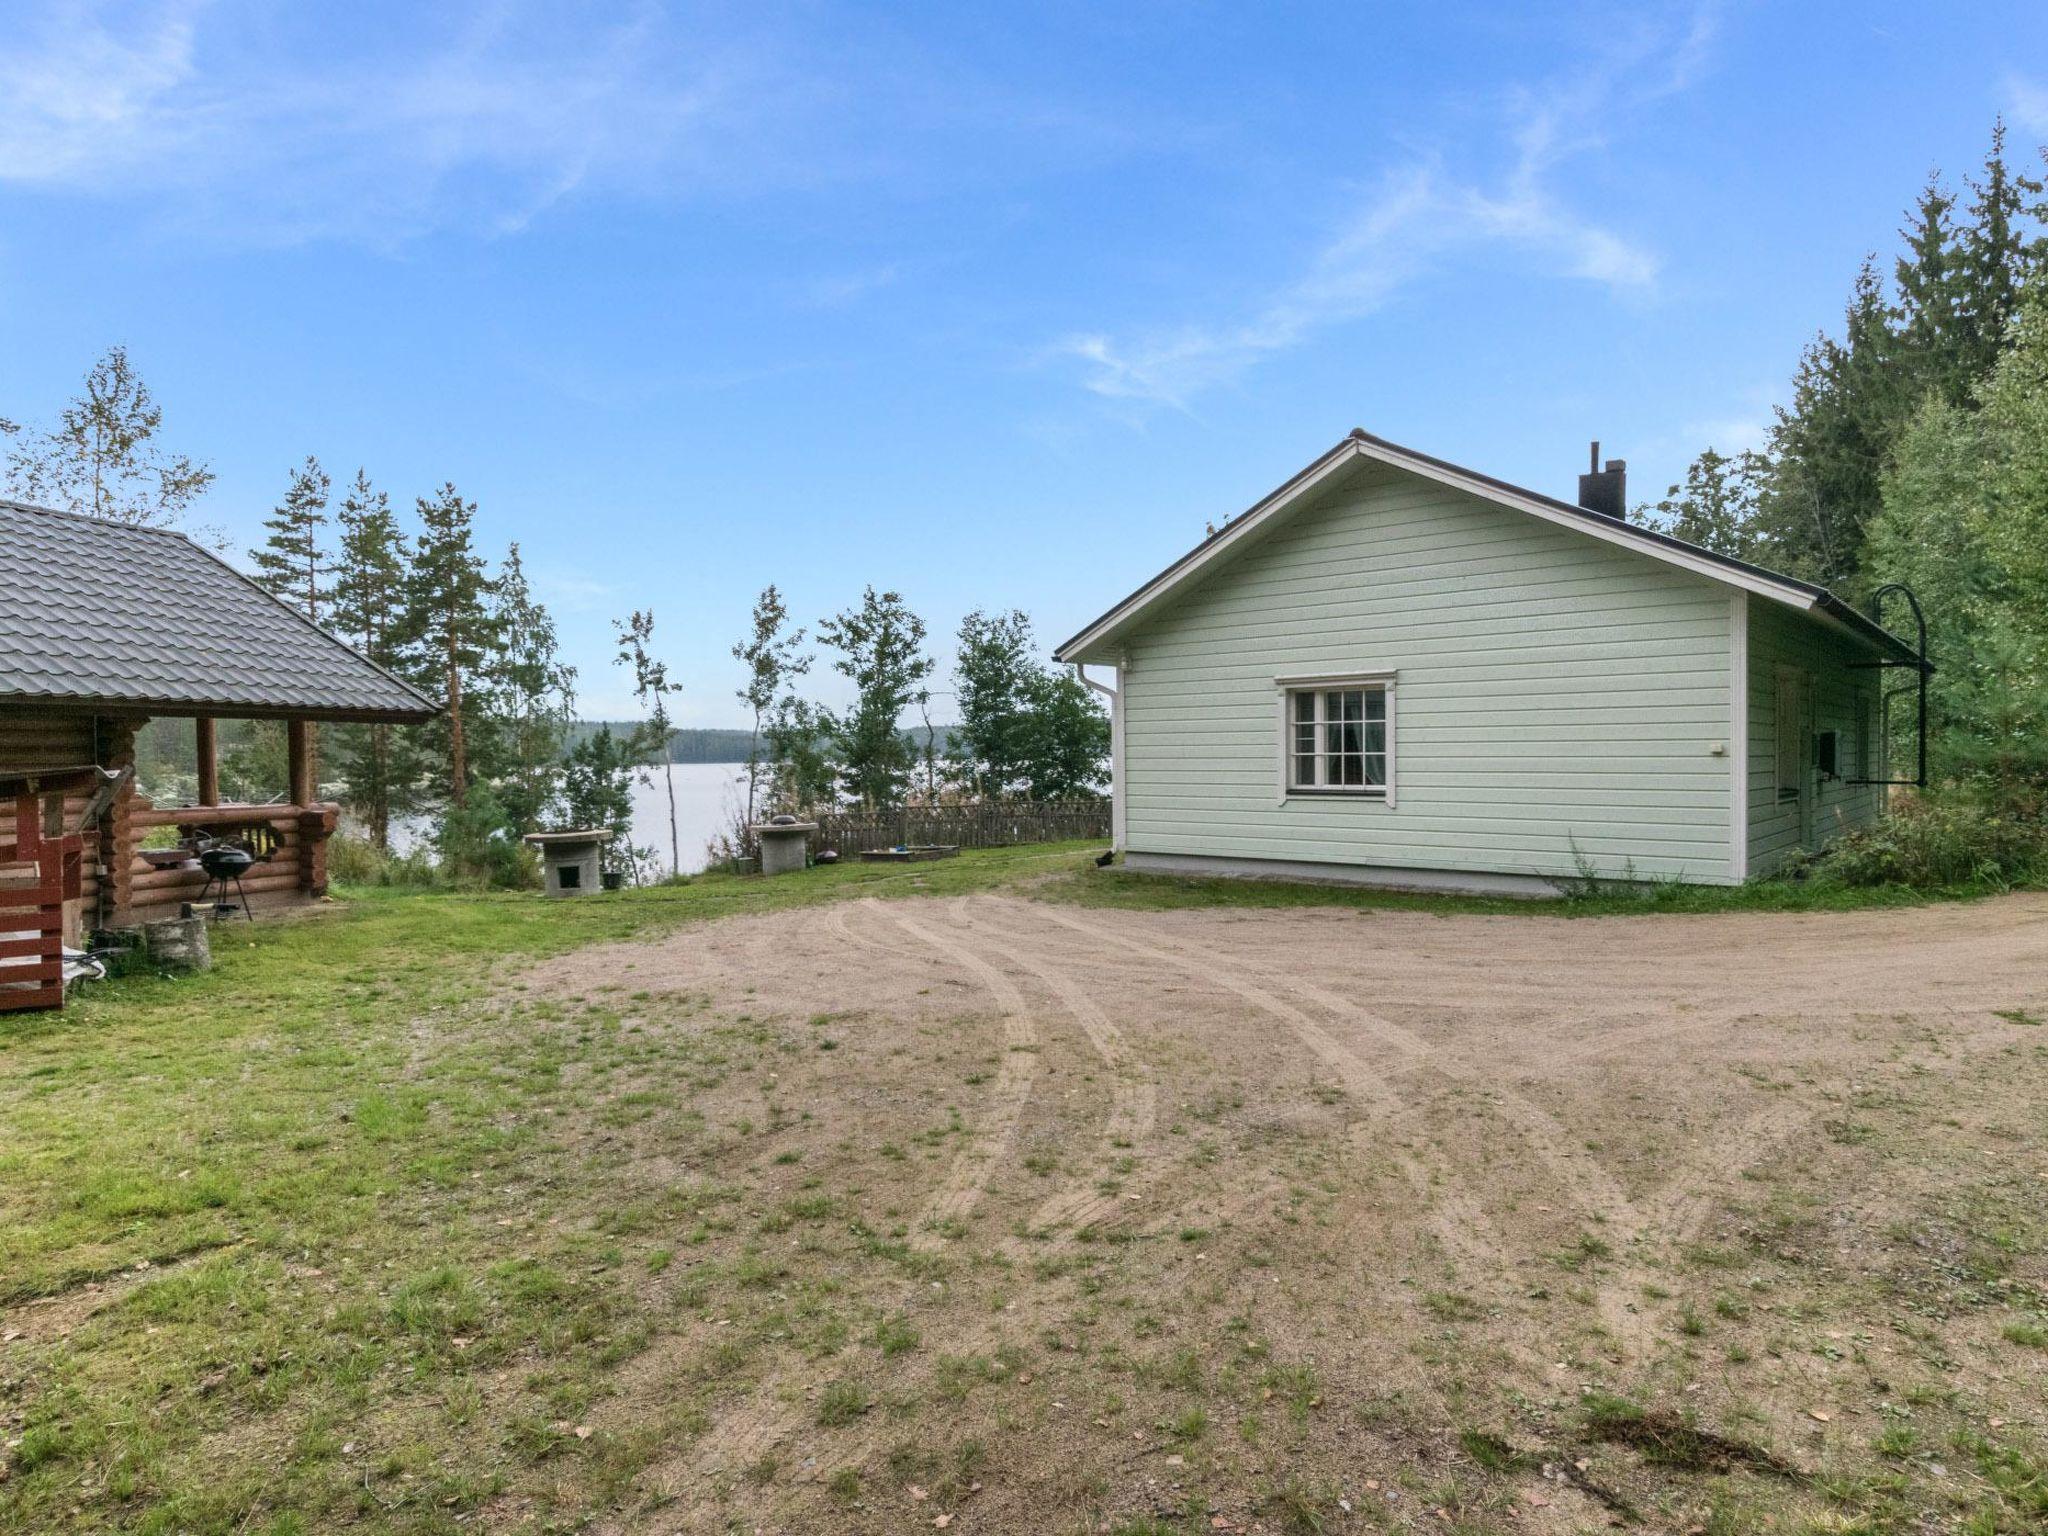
x=1116 y=751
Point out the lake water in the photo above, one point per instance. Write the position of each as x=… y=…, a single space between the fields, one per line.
x=709 y=797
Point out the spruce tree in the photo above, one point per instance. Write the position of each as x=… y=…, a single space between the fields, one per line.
x=448 y=635
x=291 y=562
x=368 y=608
x=1995 y=257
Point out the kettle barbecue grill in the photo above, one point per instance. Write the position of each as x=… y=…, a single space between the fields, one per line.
x=224 y=864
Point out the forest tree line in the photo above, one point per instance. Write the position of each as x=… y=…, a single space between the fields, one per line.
x=1914 y=448
x=417 y=596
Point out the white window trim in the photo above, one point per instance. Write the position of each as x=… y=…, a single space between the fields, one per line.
x=1286 y=685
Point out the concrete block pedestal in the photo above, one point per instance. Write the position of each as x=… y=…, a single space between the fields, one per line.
x=784 y=844
x=572 y=863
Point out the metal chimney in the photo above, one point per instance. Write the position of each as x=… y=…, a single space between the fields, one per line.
x=1605 y=490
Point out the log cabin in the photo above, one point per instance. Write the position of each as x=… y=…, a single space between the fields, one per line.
x=105 y=626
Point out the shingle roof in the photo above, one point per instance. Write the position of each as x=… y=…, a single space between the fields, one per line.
x=93 y=611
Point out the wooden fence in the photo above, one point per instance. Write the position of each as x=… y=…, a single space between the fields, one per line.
x=995 y=824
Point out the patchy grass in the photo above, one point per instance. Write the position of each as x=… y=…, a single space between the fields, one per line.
x=382 y=1226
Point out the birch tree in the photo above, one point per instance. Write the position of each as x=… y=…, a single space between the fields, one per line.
x=651 y=687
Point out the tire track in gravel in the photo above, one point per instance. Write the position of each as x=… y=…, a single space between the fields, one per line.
x=869 y=943
x=1456 y=1220
x=1595 y=1191
x=767 y=1419
x=1133 y=1094
x=972 y=1168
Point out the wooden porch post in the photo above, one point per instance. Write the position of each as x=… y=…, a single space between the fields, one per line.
x=208 y=740
x=298 y=738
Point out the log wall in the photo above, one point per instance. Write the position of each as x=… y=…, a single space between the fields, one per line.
x=117 y=886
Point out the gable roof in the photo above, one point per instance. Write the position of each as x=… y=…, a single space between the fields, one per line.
x=1240 y=531
x=94 y=612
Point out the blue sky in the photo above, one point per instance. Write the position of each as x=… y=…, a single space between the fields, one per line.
x=993 y=305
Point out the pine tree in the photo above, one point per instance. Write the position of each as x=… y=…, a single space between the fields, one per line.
x=772 y=659
x=449 y=634
x=880 y=647
x=291 y=562
x=368 y=609
x=536 y=696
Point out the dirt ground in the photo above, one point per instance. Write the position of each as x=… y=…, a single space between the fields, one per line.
x=1031 y=1216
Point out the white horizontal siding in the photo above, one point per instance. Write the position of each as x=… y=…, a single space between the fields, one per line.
x=1553 y=691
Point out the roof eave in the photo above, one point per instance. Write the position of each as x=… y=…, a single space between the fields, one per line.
x=218 y=709
x=1799 y=595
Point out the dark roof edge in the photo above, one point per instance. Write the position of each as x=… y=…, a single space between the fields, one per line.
x=93 y=518
x=1823 y=599
x=220 y=709
x=321 y=630
x=428 y=705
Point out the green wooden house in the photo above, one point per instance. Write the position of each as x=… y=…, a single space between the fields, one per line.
x=1395 y=670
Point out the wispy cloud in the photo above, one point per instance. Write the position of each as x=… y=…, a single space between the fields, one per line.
x=485 y=122
x=2027 y=100
x=569 y=591
x=1418 y=217
x=241 y=121
x=842 y=288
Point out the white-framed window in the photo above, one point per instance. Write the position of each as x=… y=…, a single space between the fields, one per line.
x=1337 y=736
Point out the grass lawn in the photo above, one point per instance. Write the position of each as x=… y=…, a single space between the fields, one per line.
x=364 y=1228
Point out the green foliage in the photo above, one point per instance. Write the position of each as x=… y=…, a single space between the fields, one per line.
x=880 y=646
x=479 y=844
x=1024 y=728
x=292 y=562
x=651 y=687
x=994 y=668
x=354 y=860
x=597 y=791
x=1933 y=845
x=1716 y=507
x=1932 y=332
x=802 y=775
x=447 y=635
x=102 y=458
x=368 y=607
x=773 y=657
x=534 y=693
x=1965 y=524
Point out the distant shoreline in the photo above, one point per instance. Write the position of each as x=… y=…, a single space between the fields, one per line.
x=719 y=744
